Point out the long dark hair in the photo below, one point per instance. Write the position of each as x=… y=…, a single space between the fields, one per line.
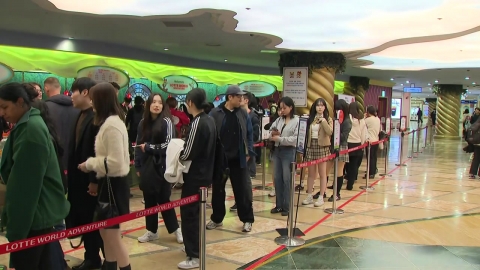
x=152 y=128
x=342 y=105
x=371 y=110
x=287 y=101
x=105 y=103
x=355 y=111
x=313 y=110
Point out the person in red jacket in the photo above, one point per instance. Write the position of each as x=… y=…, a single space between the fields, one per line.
x=180 y=119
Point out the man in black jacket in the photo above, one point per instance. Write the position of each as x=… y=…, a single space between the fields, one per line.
x=62 y=112
x=235 y=131
x=83 y=187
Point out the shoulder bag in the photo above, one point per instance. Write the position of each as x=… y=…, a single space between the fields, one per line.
x=106 y=210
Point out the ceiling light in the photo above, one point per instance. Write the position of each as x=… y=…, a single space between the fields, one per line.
x=269 y=51
x=436 y=81
x=165 y=49
x=474 y=83
x=401 y=84
x=429 y=84
x=407 y=81
x=226 y=60
x=70 y=38
x=467 y=78
x=391 y=79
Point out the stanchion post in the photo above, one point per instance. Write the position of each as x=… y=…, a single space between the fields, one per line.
x=401 y=151
x=413 y=144
x=334 y=209
x=202 y=228
x=385 y=149
x=290 y=240
x=431 y=134
x=419 y=131
x=264 y=161
x=367 y=187
x=426 y=137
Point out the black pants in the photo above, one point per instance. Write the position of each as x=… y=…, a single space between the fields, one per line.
x=241 y=190
x=355 y=160
x=35 y=258
x=190 y=221
x=373 y=159
x=156 y=198
x=476 y=160
x=258 y=151
x=93 y=243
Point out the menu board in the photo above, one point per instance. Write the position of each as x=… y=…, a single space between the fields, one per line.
x=178 y=84
x=295 y=85
x=105 y=74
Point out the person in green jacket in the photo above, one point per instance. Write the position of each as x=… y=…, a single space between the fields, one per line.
x=35 y=199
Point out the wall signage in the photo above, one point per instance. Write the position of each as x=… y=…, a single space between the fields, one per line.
x=258 y=88
x=105 y=74
x=178 y=84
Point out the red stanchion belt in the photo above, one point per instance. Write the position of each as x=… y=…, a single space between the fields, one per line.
x=378 y=142
x=353 y=149
x=313 y=162
x=55 y=236
x=258 y=144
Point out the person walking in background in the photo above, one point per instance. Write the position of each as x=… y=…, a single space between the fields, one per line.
x=64 y=115
x=111 y=165
x=201 y=149
x=235 y=131
x=35 y=210
x=419 y=117
x=284 y=132
x=83 y=186
x=433 y=116
x=154 y=134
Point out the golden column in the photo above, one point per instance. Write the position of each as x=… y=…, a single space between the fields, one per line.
x=448 y=110
x=322 y=67
x=357 y=86
x=432 y=105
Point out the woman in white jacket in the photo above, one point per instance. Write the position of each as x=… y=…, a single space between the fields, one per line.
x=112 y=153
x=373 y=128
x=355 y=138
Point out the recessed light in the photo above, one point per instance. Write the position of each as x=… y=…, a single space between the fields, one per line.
x=269 y=51
x=391 y=79
x=407 y=81
x=70 y=38
x=401 y=84
x=474 y=83
x=436 y=81
x=429 y=84
x=467 y=78
x=226 y=60
x=165 y=49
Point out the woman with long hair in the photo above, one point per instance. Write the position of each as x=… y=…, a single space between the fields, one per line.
x=355 y=138
x=373 y=129
x=345 y=127
x=35 y=199
x=112 y=165
x=319 y=132
x=154 y=133
x=284 y=133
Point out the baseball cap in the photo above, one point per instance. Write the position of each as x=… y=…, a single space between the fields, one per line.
x=234 y=90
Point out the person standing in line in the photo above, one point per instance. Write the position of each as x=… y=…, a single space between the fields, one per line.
x=64 y=115
x=200 y=149
x=319 y=131
x=111 y=153
x=155 y=131
x=35 y=196
x=284 y=133
x=235 y=131
x=83 y=187
x=180 y=119
x=373 y=129
x=356 y=137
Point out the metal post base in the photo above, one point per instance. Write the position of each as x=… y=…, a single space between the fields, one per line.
x=385 y=174
x=289 y=242
x=401 y=165
x=334 y=211
x=367 y=188
x=262 y=188
x=418 y=152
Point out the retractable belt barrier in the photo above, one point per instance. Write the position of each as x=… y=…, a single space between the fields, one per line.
x=55 y=236
x=261 y=144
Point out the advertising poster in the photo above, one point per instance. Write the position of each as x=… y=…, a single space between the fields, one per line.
x=388 y=125
x=396 y=108
x=403 y=123
x=426 y=112
x=302 y=135
x=178 y=84
x=295 y=85
x=347 y=98
x=336 y=135
x=265 y=133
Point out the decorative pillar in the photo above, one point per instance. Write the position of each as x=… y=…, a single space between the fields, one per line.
x=432 y=105
x=448 y=110
x=357 y=86
x=322 y=67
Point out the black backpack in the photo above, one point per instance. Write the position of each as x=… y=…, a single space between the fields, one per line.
x=473 y=133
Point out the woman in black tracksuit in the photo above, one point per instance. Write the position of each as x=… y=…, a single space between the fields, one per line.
x=154 y=133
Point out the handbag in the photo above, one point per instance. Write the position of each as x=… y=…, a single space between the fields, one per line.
x=106 y=210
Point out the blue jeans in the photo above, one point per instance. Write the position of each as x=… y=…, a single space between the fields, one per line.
x=57 y=257
x=283 y=158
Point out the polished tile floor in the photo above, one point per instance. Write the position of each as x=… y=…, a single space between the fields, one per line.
x=433 y=184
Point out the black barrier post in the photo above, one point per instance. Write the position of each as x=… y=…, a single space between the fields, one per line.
x=413 y=144
x=425 y=139
x=202 y=233
x=431 y=134
x=401 y=151
x=334 y=209
x=418 y=140
x=385 y=149
x=367 y=187
x=291 y=239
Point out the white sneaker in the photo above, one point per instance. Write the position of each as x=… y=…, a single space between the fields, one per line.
x=190 y=263
x=147 y=237
x=247 y=227
x=319 y=202
x=178 y=234
x=272 y=193
x=308 y=200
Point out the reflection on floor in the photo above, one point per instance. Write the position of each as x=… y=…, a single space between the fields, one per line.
x=433 y=185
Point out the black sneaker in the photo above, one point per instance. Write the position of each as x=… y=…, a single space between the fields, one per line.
x=276 y=210
x=316 y=195
x=331 y=198
x=299 y=187
x=233 y=208
x=284 y=213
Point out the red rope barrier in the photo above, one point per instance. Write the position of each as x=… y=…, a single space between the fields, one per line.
x=314 y=162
